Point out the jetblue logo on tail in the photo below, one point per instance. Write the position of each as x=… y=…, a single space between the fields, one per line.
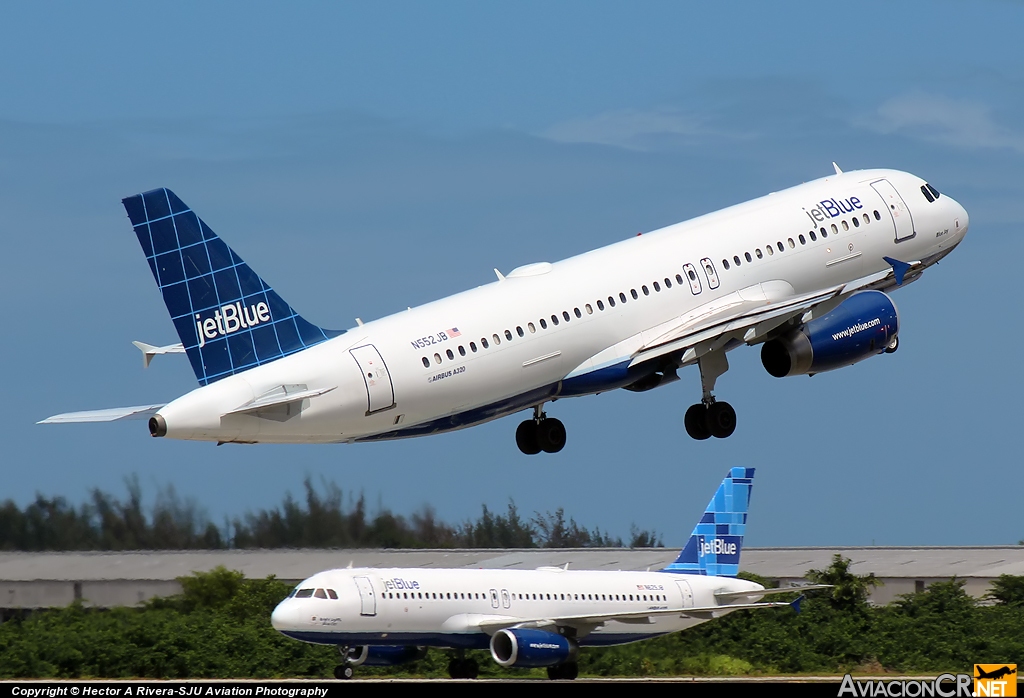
x=231 y=318
x=716 y=546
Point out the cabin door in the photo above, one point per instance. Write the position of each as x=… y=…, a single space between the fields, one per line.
x=367 y=599
x=380 y=392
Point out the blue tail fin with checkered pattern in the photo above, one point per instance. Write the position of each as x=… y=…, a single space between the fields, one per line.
x=715 y=544
x=229 y=320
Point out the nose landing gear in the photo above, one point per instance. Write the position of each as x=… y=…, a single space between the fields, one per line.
x=709 y=417
x=542 y=433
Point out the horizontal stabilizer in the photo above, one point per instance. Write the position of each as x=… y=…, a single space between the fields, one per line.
x=723 y=595
x=149 y=351
x=115 y=414
x=282 y=395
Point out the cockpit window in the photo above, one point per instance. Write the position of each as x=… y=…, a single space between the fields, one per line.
x=320 y=594
x=304 y=593
x=332 y=593
x=927 y=193
x=933 y=190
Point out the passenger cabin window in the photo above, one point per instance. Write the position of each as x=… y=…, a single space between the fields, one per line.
x=450 y=354
x=426 y=362
x=590 y=311
x=462 y=350
x=483 y=342
x=530 y=326
x=437 y=358
x=519 y=331
x=497 y=339
x=622 y=297
x=565 y=315
x=508 y=335
x=472 y=347
x=611 y=302
x=577 y=312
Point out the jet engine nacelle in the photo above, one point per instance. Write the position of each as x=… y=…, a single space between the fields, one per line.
x=863 y=325
x=526 y=647
x=384 y=655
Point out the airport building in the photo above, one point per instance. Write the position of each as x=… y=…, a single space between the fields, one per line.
x=105 y=579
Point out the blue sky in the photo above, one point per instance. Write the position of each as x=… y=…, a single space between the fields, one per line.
x=364 y=158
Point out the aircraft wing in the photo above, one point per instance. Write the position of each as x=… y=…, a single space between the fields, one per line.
x=115 y=414
x=750 y=314
x=587 y=622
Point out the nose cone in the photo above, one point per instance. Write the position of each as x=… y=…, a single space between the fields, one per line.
x=961 y=220
x=285 y=616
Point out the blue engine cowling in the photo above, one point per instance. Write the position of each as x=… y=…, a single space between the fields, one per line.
x=863 y=325
x=526 y=647
x=384 y=655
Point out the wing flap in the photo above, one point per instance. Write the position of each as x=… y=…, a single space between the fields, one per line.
x=115 y=414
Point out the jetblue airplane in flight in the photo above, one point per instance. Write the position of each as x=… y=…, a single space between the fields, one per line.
x=528 y=618
x=804 y=272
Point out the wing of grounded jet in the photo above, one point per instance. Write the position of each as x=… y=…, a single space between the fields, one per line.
x=587 y=622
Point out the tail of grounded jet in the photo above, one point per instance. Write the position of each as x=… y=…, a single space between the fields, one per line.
x=717 y=539
x=229 y=320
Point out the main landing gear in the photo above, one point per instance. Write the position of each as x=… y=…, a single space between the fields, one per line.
x=542 y=433
x=709 y=417
x=566 y=672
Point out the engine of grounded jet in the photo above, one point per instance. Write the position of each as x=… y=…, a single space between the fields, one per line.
x=526 y=647
x=384 y=655
x=863 y=325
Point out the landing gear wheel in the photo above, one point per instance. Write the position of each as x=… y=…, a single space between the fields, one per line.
x=551 y=435
x=343 y=671
x=455 y=669
x=526 y=438
x=721 y=420
x=894 y=344
x=567 y=671
x=696 y=422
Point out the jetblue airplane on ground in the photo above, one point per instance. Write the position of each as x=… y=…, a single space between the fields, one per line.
x=527 y=618
x=802 y=272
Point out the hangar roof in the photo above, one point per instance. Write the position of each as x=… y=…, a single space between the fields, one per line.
x=776 y=563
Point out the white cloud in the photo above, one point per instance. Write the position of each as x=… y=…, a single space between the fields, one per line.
x=963 y=124
x=634 y=129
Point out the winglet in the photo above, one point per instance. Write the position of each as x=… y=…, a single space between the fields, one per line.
x=899 y=268
x=501 y=277
x=796 y=603
x=838 y=171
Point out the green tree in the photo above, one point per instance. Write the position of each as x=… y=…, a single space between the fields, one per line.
x=1007 y=590
x=849 y=591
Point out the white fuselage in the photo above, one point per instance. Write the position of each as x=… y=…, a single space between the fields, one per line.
x=446 y=607
x=506 y=346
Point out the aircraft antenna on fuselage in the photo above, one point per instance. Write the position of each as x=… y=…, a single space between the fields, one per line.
x=838 y=171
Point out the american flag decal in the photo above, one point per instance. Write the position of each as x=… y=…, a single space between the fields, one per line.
x=454 y=332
